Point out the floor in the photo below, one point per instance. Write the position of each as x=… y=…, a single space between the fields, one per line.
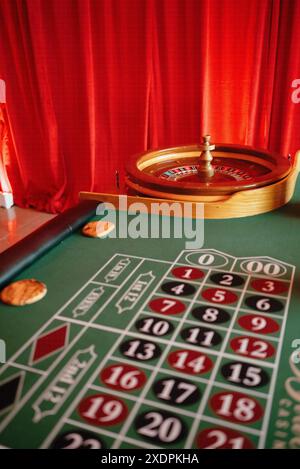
x=16 y=223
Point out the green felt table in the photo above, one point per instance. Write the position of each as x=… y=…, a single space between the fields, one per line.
x=140 y=343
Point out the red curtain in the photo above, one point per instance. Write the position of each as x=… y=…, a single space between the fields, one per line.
x=91 y=82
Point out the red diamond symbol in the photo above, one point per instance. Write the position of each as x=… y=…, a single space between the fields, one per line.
x=50 y=343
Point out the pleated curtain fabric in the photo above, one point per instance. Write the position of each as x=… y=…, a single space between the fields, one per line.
x=92 y=82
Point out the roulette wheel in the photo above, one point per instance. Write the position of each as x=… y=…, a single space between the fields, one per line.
x=231 y=180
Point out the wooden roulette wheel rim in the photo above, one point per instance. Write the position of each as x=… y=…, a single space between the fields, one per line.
x=165 y=171
x=231 y=180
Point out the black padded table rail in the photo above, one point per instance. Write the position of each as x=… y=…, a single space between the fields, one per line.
x=30 y=248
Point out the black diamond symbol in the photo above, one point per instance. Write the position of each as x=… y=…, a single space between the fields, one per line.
x=10 y=390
